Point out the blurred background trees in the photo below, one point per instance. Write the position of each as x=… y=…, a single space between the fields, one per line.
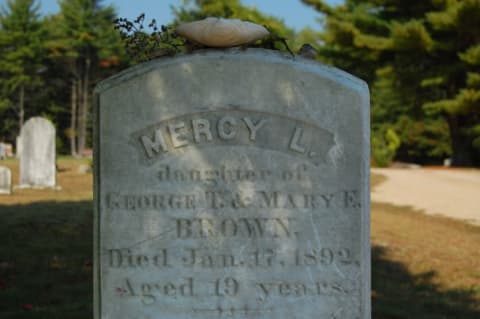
x=50 y=65
x=421 y=60
x=22 y=54
x=84 y=43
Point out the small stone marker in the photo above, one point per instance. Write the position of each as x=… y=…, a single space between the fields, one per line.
x=232 y=184
x=3 y=151
x=84 y=169
x=37 y=160
x=5 y=180
x=8 y=149
x=18 y=146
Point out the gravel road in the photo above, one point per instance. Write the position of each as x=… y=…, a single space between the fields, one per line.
x=449 y=192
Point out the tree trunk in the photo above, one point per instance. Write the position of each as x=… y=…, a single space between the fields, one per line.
x=83 y=114
x=462 y=150
x=73 y=120
x=21 y=107
x=79 y=112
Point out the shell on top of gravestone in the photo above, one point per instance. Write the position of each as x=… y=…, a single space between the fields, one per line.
x=5 y=180
x=37 y=160
x=223 y=33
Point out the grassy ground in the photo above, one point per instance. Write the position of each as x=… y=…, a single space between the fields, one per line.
x=423 y=267
x=46 y=248
x=74 y=186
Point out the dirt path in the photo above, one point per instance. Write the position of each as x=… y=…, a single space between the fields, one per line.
x=454 y=193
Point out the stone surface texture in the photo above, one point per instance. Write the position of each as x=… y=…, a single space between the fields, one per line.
x=232 y=184
x=37 y=160
x=5 y=180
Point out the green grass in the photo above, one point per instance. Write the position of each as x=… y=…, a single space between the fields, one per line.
x=46 y=247
x=46 y=260
x=423 y=267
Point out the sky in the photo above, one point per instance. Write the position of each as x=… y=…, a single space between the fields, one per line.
x=293 y=12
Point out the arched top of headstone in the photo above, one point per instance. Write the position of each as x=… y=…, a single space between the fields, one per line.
x=38 y=123
x=238 y=55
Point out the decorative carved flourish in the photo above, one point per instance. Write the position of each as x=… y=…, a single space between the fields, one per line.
x=232 y=311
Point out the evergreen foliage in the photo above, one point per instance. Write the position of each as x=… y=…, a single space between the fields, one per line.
x=22 y=51
x=421 y=60
x=86 y=42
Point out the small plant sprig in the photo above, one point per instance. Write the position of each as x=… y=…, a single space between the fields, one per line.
x=271 y=41
x=142 y=45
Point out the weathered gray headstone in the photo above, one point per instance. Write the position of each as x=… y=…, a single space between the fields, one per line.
x=5 y=180
x=232 y=184
x=37 y=160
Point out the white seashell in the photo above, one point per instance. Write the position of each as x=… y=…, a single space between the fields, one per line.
x=221 y=33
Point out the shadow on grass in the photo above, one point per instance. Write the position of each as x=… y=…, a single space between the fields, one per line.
x=397 y=293
x=46 y=270
x=46 y=260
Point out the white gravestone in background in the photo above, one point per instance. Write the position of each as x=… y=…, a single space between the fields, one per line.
x=37 y=160
x=232 y=184
x=3 y=151
x=5 y=180
x=18 y=146
x=8 y=149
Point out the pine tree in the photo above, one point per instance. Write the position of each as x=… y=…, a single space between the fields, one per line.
x=21 y=51
x=83 y=41
x=454 y=83
x=419 y=60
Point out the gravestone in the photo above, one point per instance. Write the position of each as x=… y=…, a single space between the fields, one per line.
x=37 y=160
x=8 y=149
x=5 y=180
x=3 y=151
x=232 y=184
x=18 y=146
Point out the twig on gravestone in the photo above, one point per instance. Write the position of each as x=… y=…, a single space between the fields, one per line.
x=142 y=45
